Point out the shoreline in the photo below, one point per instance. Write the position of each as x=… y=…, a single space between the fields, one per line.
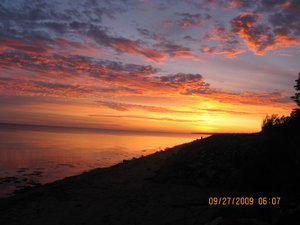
x=170 y=186
x=52 y=128
x=33 y=184
x=42 y=160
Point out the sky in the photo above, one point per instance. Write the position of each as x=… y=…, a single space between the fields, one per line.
x=170 y=66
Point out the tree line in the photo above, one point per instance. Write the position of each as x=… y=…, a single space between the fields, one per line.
x=275 y=122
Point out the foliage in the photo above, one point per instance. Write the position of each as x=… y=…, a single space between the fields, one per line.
x=296 y=98
x=274 y=120
x=289 y=124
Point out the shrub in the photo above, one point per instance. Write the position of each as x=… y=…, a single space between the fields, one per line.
x=273 y=121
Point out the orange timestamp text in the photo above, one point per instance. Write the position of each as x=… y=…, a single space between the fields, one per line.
x=264 y=201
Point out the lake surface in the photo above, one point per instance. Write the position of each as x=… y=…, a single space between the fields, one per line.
x=32 y=155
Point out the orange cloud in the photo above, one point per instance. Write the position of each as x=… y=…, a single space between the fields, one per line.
x=136 y=49
x=186 y=54
x=235 y=4
x=253 y=98
x=286 y=4
x=219 y=33
x=167 y=23
x=147 y=118
x=44 y=47
x=195 y=20
x=259 y=37
x=229 y=52
x=177 y=51
x=79 y=76
x=14 y=44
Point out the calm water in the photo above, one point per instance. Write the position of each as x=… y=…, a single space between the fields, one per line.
x=33 y=155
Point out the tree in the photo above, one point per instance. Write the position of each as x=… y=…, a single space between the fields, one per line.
x=296 y=98
x=291 y=124
x=272 y=121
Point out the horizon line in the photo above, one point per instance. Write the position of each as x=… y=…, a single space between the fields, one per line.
x=104 y=129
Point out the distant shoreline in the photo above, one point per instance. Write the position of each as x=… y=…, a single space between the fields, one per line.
x=67 y=128
x=90 y=129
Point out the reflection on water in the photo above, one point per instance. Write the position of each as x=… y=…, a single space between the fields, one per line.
x=31 y=156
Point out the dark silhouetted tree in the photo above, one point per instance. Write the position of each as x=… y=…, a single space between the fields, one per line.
x=296 y=98
x=289 y=124
x=272 y=121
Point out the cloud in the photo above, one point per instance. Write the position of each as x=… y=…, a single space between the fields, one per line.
x=125 y=45
x=168 y=47
x=60 y=46
x=150 y=34
x=79 y=76
x=260 y=37
x=279 y=4
x=126 y=107
x=136 y=49
x=167 y=23
x=43 y=88
x=45 y=24
x=232 y=4
x=226 y=111
x=219 y=32
x=229 y=51
x=177 y=51
x=227 y=44
x=185 y=84
x=251 y=98
x=15 y=44
x=85 y=74
x=72 y=65
x=147 y=118
x=196 y=20
x=289 y=13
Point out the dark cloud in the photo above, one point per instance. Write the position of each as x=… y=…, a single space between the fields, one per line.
x=181 y=78
x=78 y=25
x=150 y=34
x=258 y=37
x=186 y=84
x=220 y=33
x=74 y=65
x=36 y=100
x=288 y=15
x=59 y=28
x=177 y=51
x=172 y=49
x=268 y=5
x=44 y=88
x=100 y=36
x=240 y=4
x=188 y=19
x=43 y=21
x=124 y=45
